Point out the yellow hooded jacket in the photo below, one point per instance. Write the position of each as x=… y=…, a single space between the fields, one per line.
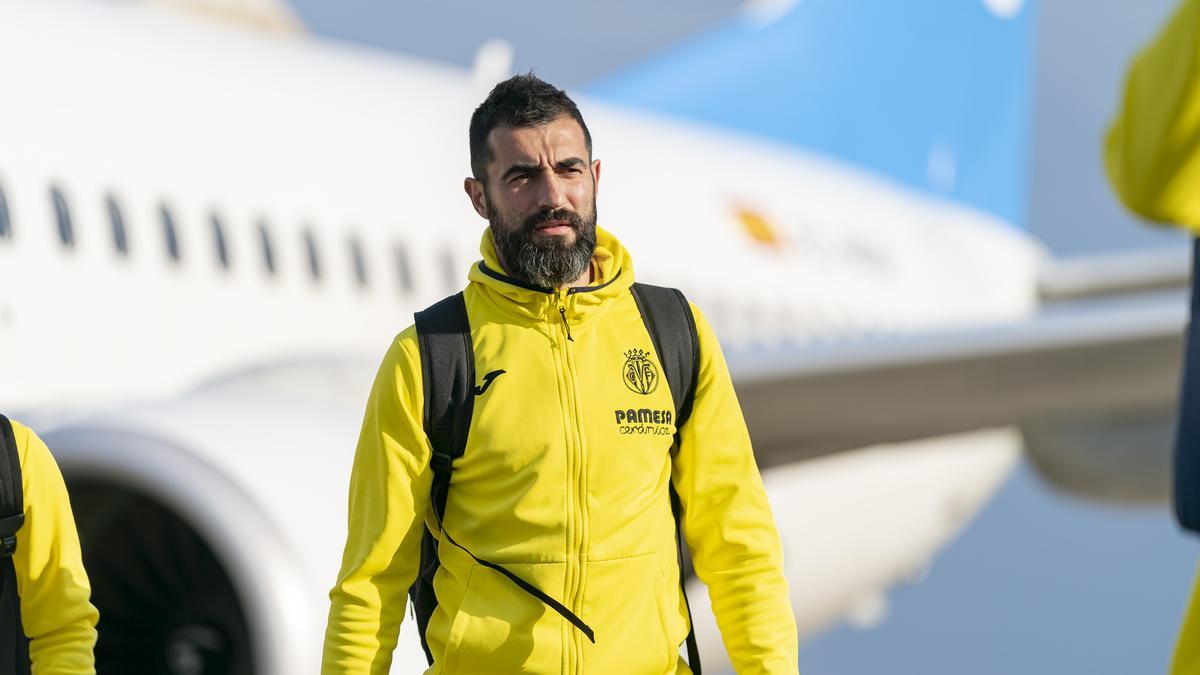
x=56 y=611
x=564 y=482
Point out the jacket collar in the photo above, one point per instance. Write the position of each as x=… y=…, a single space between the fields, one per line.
x=612 y=276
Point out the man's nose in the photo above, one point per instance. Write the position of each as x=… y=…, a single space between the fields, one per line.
x=552 y=195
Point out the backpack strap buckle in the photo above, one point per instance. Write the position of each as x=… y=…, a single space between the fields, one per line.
x=441 y=461
x=8 y=533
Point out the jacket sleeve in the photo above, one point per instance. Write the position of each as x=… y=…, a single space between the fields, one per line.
x=389 y=495
x=56 y=610
x=728 y=523
x=1153 y=149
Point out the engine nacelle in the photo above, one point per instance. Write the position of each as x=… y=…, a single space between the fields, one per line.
x=212 y=525
x=1122 y=459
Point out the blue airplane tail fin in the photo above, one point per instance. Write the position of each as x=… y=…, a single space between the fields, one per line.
x=935 y=94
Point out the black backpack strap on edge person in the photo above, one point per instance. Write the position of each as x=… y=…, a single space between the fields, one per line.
x=672 y=328
x=1187 y=430
x=14 y=645
x=448 y=374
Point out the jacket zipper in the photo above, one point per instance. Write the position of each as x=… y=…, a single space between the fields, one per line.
x=574 y=491
x=562 y=311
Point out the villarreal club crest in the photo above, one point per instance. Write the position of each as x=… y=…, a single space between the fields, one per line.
x=640 y=373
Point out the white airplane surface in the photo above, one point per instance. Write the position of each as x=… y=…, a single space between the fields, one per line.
x=209 y=236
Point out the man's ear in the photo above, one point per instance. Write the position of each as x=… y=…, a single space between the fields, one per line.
x=596 y=174
x=477 y=195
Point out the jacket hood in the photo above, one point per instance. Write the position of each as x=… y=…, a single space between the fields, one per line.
x=612 y=268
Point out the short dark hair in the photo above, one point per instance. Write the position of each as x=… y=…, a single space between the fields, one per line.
x=520 y=101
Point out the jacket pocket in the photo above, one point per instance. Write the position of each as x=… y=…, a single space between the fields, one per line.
x=625 y=602
x=499 y=628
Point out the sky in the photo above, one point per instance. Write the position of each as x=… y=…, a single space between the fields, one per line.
x=570 y=44
x=1041 y=582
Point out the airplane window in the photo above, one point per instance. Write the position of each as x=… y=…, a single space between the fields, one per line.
x=5 y=225
x=403 y=270
x=62 y=214
x=120 y=239
x=359 y=261
x=268 y=252
x=219 y=244
x=314 y=259
x=170 y=235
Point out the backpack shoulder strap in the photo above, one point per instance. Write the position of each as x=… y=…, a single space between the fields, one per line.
x=14 y=645
x=447 y=375
x=1187 y=430
x=672 y=329
x=12 y=501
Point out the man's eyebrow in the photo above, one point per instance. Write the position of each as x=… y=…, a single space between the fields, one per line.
x=569 y=163
x=520 y=168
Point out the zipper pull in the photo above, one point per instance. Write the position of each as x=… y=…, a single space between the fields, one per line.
x=562 y=311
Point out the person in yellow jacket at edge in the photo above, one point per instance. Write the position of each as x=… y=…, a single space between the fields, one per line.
x=548 y=487
x=1153 y=161
x=55 y=598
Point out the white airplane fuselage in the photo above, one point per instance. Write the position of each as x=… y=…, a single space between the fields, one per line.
x=346 y=166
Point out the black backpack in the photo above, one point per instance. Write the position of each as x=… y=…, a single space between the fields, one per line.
x=448 y=372
x=14 y=645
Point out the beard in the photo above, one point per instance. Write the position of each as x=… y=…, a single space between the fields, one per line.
x=552 y=262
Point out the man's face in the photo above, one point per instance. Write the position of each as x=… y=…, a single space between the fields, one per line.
x=540 y=201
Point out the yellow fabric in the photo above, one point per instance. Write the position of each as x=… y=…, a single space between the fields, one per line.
x=56 y=611
x=1187 y=653
x=1153 y=150
x=562 y=491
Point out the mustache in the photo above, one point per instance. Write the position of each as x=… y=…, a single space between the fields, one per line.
x=570 y=217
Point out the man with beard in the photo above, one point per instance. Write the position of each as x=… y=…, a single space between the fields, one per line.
x=552 y=549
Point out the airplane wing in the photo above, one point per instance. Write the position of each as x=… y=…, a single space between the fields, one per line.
x=1107 y=341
